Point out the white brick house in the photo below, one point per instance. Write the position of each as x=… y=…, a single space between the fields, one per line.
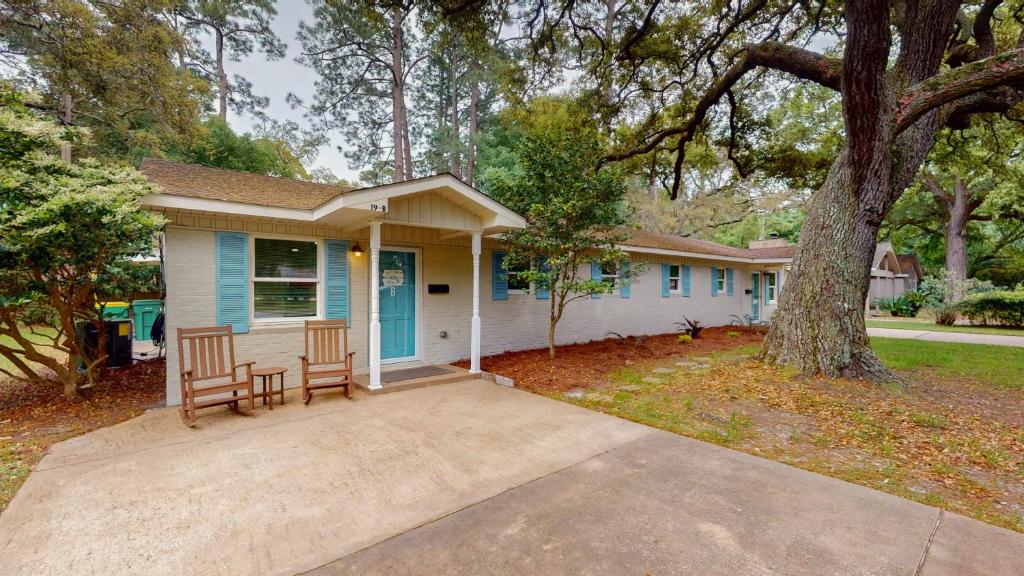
x=264 y=253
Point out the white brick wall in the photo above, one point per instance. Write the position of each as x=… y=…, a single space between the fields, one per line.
x=518 y=323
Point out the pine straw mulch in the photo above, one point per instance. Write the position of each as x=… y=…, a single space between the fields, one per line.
x=35 y=415
x=587 y=365
x=955 y=444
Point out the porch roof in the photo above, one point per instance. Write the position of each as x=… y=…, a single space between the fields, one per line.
x=439 y=201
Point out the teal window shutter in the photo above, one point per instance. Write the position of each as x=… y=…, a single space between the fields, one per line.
x=499 y=277
x=595 y=274
x=686 y=280
x=542 y=266
x=665 y=272
x=625 y=281
x=233 y=280
x=714 y=280
x=728 y=281
x=337 y=280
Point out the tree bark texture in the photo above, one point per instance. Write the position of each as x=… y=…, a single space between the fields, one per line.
x=474 y=103
x=454 y=164
x=819 y=325
x=222 y=78
x=397 y=96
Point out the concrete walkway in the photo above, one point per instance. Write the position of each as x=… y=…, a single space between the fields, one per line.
x=454 y=479
x=961 y=337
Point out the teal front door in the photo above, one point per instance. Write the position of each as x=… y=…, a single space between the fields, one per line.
x=397 y=304
x=755 y=296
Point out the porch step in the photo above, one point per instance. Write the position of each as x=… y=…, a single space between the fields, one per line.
x=452 y=374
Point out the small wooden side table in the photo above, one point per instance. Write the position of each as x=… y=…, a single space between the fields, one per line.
x=270 y=372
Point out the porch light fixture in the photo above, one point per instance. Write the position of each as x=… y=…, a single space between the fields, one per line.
x=357 y=250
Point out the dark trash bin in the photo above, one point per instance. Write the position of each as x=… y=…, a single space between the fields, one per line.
x=119 y=341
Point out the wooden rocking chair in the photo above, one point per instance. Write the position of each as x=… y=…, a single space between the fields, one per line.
x=211 y=355
x=326 y=345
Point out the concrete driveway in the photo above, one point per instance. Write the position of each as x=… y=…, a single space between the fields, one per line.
x=459 y=478
x=958 y=337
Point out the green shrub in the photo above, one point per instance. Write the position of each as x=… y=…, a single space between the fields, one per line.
x=945 y=314
x=1001 y=307
x=898 y=306
x=731 y=334
x=915 y=299
x=685 y=339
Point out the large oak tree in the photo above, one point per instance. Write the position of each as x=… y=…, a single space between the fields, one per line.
x=902 y=69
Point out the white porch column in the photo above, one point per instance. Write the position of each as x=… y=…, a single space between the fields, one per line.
x=374 y=305
x=474 y=346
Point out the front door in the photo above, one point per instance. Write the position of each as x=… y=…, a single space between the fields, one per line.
x=755 y=296
x=397 y=304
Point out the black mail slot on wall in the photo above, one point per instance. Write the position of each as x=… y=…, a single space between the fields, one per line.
x=437 y=288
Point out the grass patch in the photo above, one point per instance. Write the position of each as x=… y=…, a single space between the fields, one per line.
x=933 y=327
x=42 y=334
x=1000 y=366
x=960 y=450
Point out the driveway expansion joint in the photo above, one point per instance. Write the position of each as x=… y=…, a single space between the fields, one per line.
x=928 y=543
x=430 y=521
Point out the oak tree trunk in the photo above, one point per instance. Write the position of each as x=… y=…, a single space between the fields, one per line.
x=959 y=211
x=819 y=325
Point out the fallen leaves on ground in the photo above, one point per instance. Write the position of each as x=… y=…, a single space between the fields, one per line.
x=949 y=443
x=35 y=415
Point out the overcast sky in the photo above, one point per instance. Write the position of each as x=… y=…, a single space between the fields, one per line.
x=275 y=79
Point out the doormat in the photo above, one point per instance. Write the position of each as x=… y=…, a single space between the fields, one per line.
x=410 y=373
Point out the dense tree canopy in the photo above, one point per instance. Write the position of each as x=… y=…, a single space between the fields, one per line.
x=67 y=234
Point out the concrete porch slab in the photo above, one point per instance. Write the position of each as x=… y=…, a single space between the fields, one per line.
x=453 y=374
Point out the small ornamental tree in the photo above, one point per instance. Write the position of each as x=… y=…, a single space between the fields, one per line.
x=573 y=215
x=67 y=233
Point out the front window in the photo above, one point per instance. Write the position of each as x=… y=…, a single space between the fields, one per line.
x=609 y=273
x=770 y=283
x=674 y=278
x=518 y=283
x=285 y=279
x=720 y=279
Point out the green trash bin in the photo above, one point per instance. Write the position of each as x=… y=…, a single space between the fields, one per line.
x=145 y=313
x=115 y=311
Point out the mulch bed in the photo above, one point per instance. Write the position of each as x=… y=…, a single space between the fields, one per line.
x=35 y=415
x=587 y=365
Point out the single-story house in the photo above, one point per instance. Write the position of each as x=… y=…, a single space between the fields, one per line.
x=416 y=268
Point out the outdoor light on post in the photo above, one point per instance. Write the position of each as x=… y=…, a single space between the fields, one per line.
x=357 y=250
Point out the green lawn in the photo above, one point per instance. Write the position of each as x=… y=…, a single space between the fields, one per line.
x=924 y=324
x=1001 y=366
x=7 y=341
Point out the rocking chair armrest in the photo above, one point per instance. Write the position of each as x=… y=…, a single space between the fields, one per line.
x=249 y=363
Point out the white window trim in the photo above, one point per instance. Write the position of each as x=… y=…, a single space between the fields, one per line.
x=773 y=286
x=722 y=279
x=678 y=279
x=320 y=293
x=614 y=278
x=515 y=291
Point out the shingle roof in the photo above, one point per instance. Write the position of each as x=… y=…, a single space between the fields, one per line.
x=909 y=262
x=198 y=181
x=645 y=239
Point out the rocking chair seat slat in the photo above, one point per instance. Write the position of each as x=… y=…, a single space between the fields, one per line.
x=326 y=345
x=205 y=354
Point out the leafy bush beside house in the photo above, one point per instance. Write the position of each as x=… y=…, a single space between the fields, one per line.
x=68 y=231
x=1000 y=307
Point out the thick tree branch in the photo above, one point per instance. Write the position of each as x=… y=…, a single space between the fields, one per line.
x=1006 y=69
x=797 y=61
